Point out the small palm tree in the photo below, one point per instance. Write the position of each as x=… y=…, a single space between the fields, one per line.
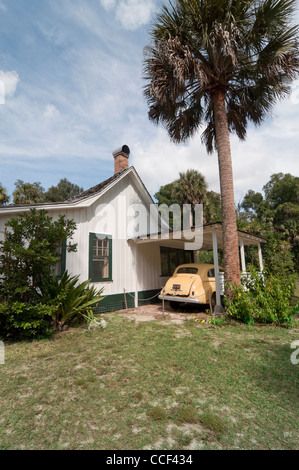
x=4 y=198
x=190 y=188
x=223 y=63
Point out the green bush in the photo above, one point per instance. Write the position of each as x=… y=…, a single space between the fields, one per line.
x=263 y=299
x=66 y=302
x=21 y=320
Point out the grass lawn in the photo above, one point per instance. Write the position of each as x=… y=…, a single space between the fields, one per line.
x=152 y=385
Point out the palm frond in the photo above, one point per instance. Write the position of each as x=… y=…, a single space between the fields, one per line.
x=247 y=49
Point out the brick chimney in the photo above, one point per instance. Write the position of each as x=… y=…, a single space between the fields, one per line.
x=121 y=159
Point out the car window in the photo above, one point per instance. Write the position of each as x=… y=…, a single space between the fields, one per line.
x=211 y=272
x=187 y=270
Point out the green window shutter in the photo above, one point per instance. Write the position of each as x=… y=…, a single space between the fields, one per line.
x=63 y=258
x=61 y=265
x=100 y=257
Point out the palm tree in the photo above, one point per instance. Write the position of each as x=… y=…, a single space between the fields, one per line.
x=4 y=198
x=221 y=63
x=190 y=188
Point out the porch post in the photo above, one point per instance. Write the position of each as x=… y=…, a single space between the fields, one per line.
x=135 y=264
x=216 y=266
x=242 y=252
x=260 y=256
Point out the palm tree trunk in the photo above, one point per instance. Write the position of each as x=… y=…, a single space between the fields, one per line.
x=229 y=222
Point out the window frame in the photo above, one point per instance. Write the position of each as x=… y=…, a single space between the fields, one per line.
x=100 y=236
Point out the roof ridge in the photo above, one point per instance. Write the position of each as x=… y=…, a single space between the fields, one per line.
x=98 y=187
x=85 y=194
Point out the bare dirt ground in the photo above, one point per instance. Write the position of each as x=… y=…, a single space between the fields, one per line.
x=155 y=312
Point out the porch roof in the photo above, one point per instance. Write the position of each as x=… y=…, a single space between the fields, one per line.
x=177 y=239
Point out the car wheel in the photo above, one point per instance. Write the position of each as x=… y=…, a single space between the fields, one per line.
x=175 y=305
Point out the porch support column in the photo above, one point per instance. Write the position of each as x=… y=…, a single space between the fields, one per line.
x=135 y=264
x=260 y=256
x=216 y=266
x=242 y=252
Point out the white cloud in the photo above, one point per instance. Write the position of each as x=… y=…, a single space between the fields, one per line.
x=51 y=111
x=8 y=84
x=271 y=148
x=159 y=161
x=80 y=101
x=130 y=13
x=107 y=4
x=134 y=13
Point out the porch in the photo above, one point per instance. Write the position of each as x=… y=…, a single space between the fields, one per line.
x=207 y=238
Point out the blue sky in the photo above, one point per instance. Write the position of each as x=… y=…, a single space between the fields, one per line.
x=72 y=71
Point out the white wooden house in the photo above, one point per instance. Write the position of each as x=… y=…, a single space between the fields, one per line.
x=116 y=249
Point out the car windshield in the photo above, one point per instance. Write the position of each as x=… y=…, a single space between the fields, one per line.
x=187 y=270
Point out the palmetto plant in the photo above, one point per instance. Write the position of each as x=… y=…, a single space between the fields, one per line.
x=220 y=63
x=74 y=299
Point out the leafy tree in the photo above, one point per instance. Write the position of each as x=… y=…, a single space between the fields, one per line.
x=212 y=207
x=222 y=63
x=4 y=198
x=278 y=255
x=165 y=194
x=274 y=216
x=251 y=204
x=62 y=192
x=29 y=253
x=282 y=188
x=27 y=193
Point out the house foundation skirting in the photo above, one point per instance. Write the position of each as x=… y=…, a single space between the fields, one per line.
x=112 y=303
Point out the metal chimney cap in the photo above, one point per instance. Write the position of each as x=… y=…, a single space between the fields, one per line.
x=124 y=149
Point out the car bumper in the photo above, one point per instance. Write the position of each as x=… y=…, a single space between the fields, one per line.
x=176 y=298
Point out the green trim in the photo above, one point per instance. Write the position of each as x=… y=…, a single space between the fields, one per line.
x=92 y=236
x=112 y=303
x=63 y=260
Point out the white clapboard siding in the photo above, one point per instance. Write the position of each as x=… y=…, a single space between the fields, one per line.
x=111 y=213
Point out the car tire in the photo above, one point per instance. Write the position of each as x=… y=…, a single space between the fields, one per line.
x=175 y=305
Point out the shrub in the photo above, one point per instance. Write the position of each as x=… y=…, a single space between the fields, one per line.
x=19 y=320
x=28 y=255
x=66 y=302
x=262 y=299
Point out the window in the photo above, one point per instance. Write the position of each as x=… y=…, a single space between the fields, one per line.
x=187 y=270
x=171 y=258
x=100 y=257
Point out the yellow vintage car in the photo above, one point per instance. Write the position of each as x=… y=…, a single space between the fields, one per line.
x=191 y=283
